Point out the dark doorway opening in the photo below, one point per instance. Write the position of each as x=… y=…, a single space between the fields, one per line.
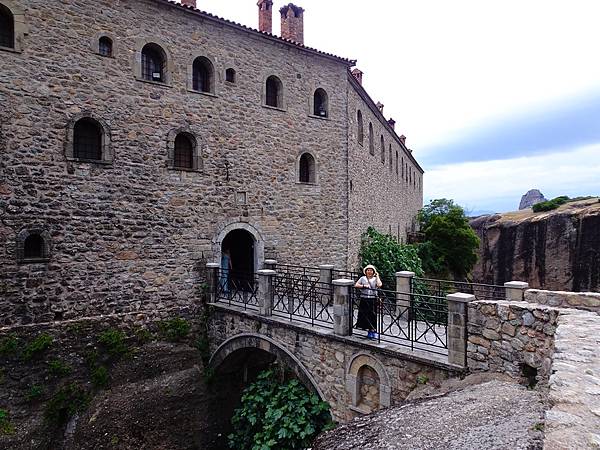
x=238 y=246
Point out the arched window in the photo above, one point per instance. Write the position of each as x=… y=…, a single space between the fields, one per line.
x=105 y=46
x=87 y=140
x=361 y=132
x=321 y=103
x=203 y=75
x=33 y=246
x=307 y=172
x=184 y=152
x=390 y=157
x=230 y=75
x=154 y=63
x=274 y=92
x=7 y=28
x=396 y=163
x=382 y=150
x=371 y=144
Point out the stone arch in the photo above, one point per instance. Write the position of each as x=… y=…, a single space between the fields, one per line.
x=197 y=146
x=258 y=341
x=169 y=67
x=235 y=224
x=216 y=76
x=22 y=237
x=314 y=167
x=355 y=363
x=95 y=42
x=281 y=92
x=106 y=147
x=19 y=25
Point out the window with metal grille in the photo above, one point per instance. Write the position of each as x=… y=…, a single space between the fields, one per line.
x=371 y=144
x=361 y=133
x=87 y=140
x=33 y=247
x=153 y=63
x=274 y=94
x=307 y=168
x=230 y=75
x=320 y=103
x=202 y=76
x=105 y=46
x=183 y=157
x=7 y=28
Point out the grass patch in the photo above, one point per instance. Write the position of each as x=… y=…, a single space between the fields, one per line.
x=9 y=346
x=422 y=379
x=38 y=346
x=113 y=341
x=100 y=377
x=58 y=368
x=65 y=402
x=6 y=427
x=174 y=330
x=34 y=393
x=143 y=336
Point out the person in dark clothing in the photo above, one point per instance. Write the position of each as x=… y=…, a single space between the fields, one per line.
x=367 y=308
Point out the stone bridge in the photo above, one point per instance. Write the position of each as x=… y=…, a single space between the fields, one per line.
x=354 y=375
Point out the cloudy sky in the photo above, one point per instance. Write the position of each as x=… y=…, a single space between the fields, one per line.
x=495 y=98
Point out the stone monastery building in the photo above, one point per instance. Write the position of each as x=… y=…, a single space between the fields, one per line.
x=141 y=138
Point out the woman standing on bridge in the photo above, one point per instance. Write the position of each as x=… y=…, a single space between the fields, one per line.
x=367 y=308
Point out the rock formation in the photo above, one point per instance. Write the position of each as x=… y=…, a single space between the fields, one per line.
x=532 y=197
x=556 y=250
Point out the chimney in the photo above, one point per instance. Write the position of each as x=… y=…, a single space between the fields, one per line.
x=403 y=139
x=265 y=16
x=358 y=75
x=292 y=23
x=190 y=3
x=380 y=107
x=392 y=123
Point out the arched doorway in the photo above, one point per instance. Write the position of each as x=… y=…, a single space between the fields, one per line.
x=238 y=255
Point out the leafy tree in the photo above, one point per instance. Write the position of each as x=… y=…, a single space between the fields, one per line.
x=276 y=415
x=451 y=244
x=388 y=256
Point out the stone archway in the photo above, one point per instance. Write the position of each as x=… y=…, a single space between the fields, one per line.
x=252 y=229
x=355 y=374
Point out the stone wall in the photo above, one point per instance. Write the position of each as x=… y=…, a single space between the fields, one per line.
x=589 y=301
x=504 y=336
x=334 y=362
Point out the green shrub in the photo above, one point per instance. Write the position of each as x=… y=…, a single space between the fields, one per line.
x=113 y=341
x=275 y=415
x=58 y=368
x=90 y=357
x=100 y=377
x=34 y=392
x=9 y=345
x=38 y=346
x=422 y=379
x=174 y=330
x=6 y=427
x=549 y=205
x=143 y=335
x=65 y=402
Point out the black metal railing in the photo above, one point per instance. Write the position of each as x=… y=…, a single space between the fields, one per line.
x=301 y=299
x=305 y=272
x=416 y=321
x=441 y=288
x=237 y=288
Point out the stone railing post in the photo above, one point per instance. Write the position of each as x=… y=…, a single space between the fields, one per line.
x=325 y=276
x=404 y=281
x=341 y=306
x=265 y=292
x=270 y=264
x=457 y=327
x=515 y=290
x=212 y=279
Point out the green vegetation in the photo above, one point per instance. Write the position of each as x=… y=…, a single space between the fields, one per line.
x=549 y=205
x=66 y=402
x=450 y=247
x=38 y=346
x=34 y=392
x=422 y=379
x=143 y=335
x=113 y=342
x=58 y=368
x=9 y=346
x=99 y=376
x=6 y=427
x=388 y=256
x=277 y=415
x=174 y=330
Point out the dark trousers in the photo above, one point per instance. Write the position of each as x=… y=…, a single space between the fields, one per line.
x=367 y=314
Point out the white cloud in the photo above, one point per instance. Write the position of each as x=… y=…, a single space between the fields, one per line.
x=498 y=185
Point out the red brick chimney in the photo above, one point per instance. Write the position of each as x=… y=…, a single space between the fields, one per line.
x=292 y=23
x=190 y=3
x=358 y=75
x=392 y=123
x=265 y=16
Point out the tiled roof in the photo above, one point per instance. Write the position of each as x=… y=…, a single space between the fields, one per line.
x=348 y=62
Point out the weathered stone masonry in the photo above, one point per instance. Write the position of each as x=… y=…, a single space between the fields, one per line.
x=131 y=233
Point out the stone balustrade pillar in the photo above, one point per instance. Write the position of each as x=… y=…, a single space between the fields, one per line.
x=515 y=290
x=265 y=292
x=212 y=279
x=341 y=306
x=404 y=281
x=457 y=327
x=325 y=276
x=270 y=264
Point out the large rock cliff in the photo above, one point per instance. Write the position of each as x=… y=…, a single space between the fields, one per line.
x=556 y=250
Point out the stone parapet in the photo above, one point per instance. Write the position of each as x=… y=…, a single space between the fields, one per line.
x=589 y=301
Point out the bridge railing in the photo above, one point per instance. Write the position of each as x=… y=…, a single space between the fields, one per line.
x=442 y=288
x=237 y=288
